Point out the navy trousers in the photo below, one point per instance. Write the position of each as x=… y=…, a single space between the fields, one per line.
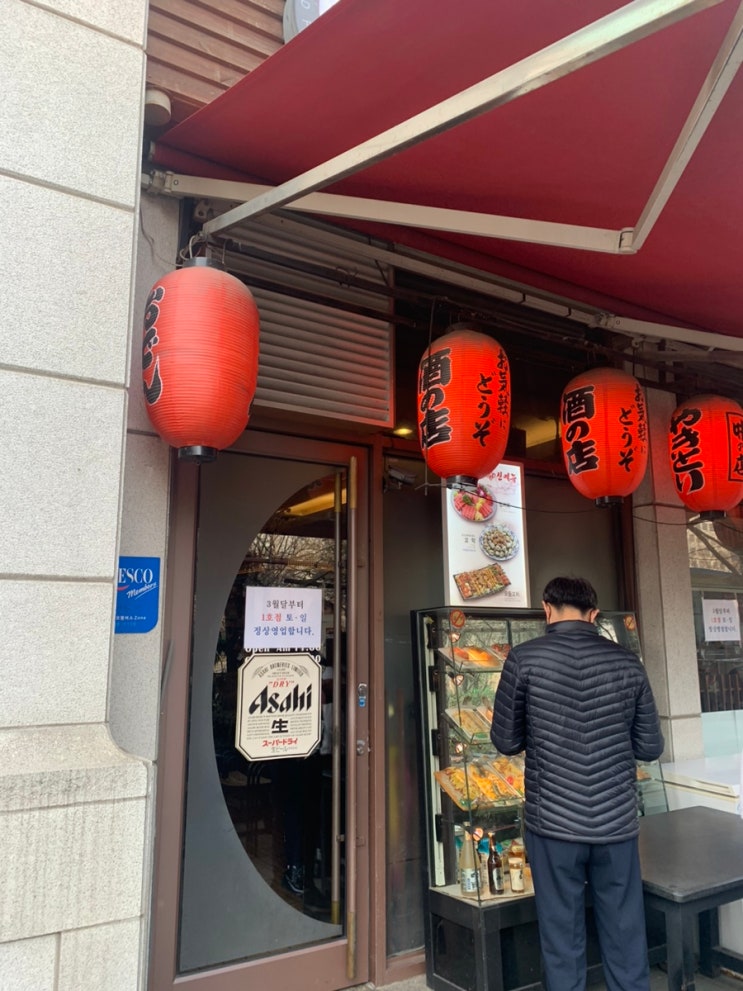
x=562 y=872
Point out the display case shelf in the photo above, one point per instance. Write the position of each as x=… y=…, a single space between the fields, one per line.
x=476 y=940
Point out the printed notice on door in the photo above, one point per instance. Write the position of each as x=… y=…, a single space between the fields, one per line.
x=283 y=618
x=278 y=705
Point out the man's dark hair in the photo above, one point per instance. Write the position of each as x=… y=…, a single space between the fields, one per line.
x=575 y=592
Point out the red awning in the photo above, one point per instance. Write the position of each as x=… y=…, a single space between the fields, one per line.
x=586 y=149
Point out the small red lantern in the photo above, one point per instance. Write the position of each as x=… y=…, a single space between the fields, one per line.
x=464 y=405
x=604 y=432
x=199 y=358
x=705 y=445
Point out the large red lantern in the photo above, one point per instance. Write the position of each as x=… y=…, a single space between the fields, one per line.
x=464 y=405
x=604 y=431
x=705 y=445
x=199 y=358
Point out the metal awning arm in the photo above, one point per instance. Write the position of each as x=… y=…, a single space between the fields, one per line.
x=404 y=214
x=718 y=80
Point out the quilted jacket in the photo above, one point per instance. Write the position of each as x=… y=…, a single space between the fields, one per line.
x=582 y=708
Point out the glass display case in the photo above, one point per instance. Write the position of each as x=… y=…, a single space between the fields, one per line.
x=481 y=931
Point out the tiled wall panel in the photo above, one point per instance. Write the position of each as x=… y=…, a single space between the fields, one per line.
x=72 y=117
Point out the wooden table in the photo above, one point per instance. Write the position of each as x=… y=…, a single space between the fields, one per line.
x=692 y=862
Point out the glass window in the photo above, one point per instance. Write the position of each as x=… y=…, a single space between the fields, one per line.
x=717 y=580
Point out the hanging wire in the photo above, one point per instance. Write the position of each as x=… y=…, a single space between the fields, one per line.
x=439 y=484
x=187 y=253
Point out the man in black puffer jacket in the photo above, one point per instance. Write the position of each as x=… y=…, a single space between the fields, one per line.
x=582 y=708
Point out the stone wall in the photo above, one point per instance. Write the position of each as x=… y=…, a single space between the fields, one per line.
x=74 y=806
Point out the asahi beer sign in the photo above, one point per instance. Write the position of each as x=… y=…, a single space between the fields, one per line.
x=278 y=705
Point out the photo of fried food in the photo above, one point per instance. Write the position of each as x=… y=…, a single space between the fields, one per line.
x=481 y=582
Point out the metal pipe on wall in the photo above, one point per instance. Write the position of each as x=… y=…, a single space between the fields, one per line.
x=335 y=816
x=352 y=750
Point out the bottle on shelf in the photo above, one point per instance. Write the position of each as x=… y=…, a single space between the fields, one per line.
x=516 y=871
x=483 y=851
x=458 y=840
x=469 y=876
x=495 y=868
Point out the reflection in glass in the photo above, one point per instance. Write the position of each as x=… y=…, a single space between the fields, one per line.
x=281 y=808
x=244 y=818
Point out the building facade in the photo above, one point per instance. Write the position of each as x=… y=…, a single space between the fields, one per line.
x=86 y=481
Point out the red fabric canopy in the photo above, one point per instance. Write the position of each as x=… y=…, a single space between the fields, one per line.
x=586 y=149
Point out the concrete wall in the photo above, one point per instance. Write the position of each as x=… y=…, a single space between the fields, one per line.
x=664 y=592
x=136 y=663
x=83 y=479
x=74 y=806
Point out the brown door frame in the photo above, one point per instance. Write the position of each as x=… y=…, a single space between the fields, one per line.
x=306 y=966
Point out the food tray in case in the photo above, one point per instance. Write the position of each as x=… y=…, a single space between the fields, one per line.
x=475 y=658
x=469 y=724
x=476 y=785
x=512 y=769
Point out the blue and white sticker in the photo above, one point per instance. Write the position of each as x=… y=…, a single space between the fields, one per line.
x=137 y=594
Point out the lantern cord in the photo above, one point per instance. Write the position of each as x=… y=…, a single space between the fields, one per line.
x=572 y=512
x=195 y=240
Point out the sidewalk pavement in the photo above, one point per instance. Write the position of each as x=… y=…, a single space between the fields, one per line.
x=658 y=982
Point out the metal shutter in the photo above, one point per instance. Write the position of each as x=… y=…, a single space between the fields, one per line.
x=326 y=345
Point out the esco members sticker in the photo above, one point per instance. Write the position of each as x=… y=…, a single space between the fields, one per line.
x=137 y=594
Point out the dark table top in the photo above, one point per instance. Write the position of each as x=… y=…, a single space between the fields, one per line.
x=690 y=853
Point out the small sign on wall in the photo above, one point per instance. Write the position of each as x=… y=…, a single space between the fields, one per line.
x=721 y=620
x=137 y=594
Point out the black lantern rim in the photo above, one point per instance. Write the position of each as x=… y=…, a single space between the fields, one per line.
x=197 y=454
x=711 y=514
x=604 y=502
x=466 y=482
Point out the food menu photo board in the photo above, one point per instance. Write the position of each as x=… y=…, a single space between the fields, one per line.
x=485 y=541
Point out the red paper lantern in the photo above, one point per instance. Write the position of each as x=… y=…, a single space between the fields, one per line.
x=705 y=445
x=199 y=358
x=464 y=405
x=604 y=432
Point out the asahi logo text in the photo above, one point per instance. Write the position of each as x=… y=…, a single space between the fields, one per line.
x=152 y=383
x=292 y=701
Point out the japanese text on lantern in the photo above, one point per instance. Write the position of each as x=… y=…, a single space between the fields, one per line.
x=687 y=462
x=435 y=376
x=633 y=429
x=579 y=408
x=153 y=387
x=483 y=425
x=735 y=433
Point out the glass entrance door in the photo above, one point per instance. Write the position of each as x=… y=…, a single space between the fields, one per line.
x=268 y=887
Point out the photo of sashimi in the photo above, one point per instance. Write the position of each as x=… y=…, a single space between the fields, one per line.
x=475 y=506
